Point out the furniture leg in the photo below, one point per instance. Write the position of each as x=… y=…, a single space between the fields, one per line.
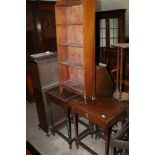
x=91 y=127
x=76 y=130
x=69 y=128
x=107 y=136
x=117 y=78
x=52 y=119
x=77 y=127
x=96 y=129
x=121 y=74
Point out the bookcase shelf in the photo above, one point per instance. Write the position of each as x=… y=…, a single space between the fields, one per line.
x=67 y=3
x=73 y=44
x=65 y=24
x=73 y=86
x=71 y=63
x=75 y=28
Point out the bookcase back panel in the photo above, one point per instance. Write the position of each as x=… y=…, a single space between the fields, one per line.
x=63 y=72
x=69 y=15
x=61 y=15
x=61 y=34
x=76 y=75
x=75 y=34
x=75 y=54
x=62 y=53
x=76 y=14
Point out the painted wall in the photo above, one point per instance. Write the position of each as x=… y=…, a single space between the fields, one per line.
x=104 y=5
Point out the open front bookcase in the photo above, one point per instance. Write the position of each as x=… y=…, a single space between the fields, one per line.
x=75 y=28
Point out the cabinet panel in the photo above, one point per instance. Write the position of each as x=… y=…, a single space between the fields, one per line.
x=40 y=27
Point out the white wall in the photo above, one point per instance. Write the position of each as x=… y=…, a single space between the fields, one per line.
x=104 y=5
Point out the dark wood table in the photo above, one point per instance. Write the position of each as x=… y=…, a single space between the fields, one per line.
x=61 y=99
x=54 y=95
x=102 y=112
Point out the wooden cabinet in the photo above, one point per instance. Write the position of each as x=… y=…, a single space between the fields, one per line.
x=75 y=28
x=40 y=26
x=40 y=35
x=110 y=29
x=44 y=71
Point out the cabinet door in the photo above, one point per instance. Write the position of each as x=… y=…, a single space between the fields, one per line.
x=47 y=18
x=110 y=28
x=40 y=27
x=31 y=34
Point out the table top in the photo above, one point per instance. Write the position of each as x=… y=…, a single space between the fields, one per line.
x=101 y=111
x=55 y=96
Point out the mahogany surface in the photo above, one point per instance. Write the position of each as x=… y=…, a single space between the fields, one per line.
x=101 y=111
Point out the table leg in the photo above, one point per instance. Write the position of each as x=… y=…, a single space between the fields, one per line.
x=97 y=131
x=121 y=74
x=69 y=127
x=107 y=137
x=91 y=127
x=76 y=130
x=51 y=117
x=118 y=67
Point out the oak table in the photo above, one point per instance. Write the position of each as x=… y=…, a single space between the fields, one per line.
x=54 y=96
x=102 y=112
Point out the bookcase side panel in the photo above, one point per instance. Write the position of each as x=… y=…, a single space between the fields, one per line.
x=89 y=46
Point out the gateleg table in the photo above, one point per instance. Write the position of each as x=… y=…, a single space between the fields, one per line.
x=102 y=112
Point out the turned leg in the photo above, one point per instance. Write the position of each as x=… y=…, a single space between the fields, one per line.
x=97 y=132
x=77 y=127
x=121 y=74
x=76 y=130
x=91 y=127
x=107 y=136
x=69 y=128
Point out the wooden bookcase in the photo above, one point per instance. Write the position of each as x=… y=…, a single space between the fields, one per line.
x=75 y=29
